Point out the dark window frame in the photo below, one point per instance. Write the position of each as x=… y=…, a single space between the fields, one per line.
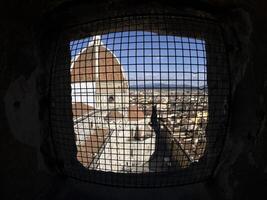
x=129 y=180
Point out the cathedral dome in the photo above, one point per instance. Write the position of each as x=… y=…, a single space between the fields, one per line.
x=96 y=56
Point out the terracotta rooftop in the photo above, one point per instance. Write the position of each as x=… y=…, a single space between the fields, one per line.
x=90 y=146
x=84 y=66
x=135 y=113
x=113 y=114
x=81 y=109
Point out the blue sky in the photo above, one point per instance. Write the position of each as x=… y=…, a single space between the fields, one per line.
x=152 y=58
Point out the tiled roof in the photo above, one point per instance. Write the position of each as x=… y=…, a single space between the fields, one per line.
x=113 y=114
x=135 y=113
x=81 y=109
x=90 y=146
x=84 y=66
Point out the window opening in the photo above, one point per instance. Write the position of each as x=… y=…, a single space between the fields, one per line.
x=144 y=100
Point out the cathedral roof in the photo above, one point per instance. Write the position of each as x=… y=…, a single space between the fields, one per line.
x=113 y=114
x=81 y=109
x=135 y=113
x=83 y=67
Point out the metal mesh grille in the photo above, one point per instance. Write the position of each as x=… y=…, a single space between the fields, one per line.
x=140 y=101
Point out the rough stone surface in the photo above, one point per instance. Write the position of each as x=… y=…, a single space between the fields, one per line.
x=27 y=41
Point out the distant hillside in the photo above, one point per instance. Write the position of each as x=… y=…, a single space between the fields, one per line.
x=166 y=86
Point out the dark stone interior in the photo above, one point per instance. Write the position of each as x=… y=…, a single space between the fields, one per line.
x=29 y=34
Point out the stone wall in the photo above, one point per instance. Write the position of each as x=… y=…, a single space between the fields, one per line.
x=28 y=38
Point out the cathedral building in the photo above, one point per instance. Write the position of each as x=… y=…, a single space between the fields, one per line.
x=97 y=80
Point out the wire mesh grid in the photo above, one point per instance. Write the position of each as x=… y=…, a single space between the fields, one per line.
x=140 y=100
